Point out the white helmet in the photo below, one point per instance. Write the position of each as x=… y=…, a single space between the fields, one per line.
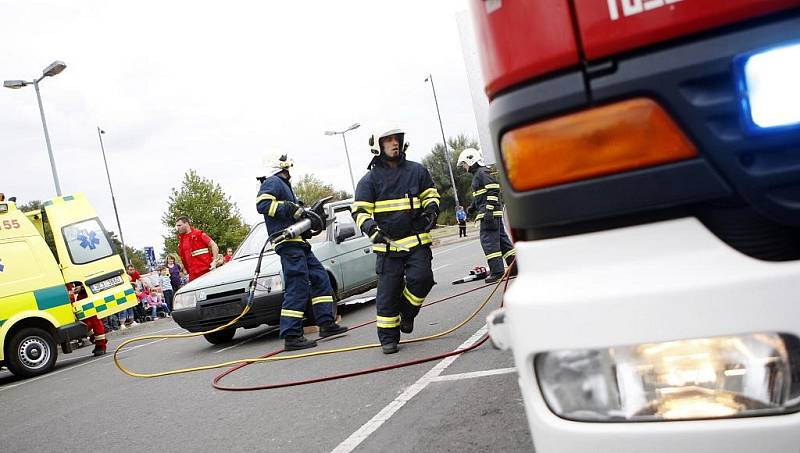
x=375 y=138
x=276 y=163
x=470 y=156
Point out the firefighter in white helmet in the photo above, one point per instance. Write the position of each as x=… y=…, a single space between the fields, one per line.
x=486 y=202
x=396 y=205
x=305 y=280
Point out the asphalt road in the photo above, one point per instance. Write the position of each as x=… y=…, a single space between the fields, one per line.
x=471 y=403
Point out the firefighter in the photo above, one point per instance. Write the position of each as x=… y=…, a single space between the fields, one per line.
x=486 y=202
x=396 y=205
x=305 y=278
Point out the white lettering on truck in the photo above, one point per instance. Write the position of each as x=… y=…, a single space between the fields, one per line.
x=634 y=7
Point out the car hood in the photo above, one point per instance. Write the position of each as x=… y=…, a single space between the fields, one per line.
x=235 y=271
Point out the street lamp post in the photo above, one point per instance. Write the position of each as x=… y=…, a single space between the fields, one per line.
x=100 y=133
x=444 y=141
x=55 y=68
x=346 y=153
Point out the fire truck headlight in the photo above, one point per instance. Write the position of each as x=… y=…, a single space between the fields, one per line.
x=768 y=87
x=735 y=376
x=184 y=300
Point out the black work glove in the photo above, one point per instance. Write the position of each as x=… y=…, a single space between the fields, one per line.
x=377 y=236
x=431 y=215
x=295 y=209
x=307 y=235
x=470 y=211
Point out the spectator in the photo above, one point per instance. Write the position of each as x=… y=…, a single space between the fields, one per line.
x=197 y=250
x=461 y=217
x=166 y=285
x=175 y=271
x=152 y=302
x=228 y=255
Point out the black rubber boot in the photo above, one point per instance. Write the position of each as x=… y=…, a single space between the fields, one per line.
x=98 y=351
x=493 y=278
x=389 y=348
x=406 y=324
x=330 y=329
x=513 y=272
x=297 y=343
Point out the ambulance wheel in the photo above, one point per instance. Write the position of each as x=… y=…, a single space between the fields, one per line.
x=221 y=337
x=31 y=352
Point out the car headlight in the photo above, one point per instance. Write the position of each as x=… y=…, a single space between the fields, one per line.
x=735 y=376
x=184 y=300
x=269 y=284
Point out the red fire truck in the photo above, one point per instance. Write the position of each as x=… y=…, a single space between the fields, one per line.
x=650 y=156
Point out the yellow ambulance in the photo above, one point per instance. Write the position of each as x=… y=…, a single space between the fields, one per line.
x=36 y=312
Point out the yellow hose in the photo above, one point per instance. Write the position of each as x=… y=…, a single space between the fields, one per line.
x=278 y=358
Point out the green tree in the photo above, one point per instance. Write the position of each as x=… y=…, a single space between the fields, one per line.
x=309 y=189
x=436 y=163
x=210 y=210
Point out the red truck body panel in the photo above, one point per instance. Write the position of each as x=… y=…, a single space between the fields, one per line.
x=521 y=40
x=608 y=27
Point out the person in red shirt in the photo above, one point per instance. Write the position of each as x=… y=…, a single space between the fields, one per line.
x=198 y=252
x=228 y=255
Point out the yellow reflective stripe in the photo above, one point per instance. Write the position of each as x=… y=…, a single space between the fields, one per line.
x=388 y=322
x=494 y=255
x=490 y=207
x=492 y=198
x=265 y=196
x=512 y=252
x=429 y=201
x=478 y=192
x=432 y=192
x=292 y=313
x=365 y=205
x=397 y=204
x=200 y=252
x=273 y=208
x=498 y=213
x=480 y=216
x=361 y=218
x=321 y=299
x=100 y=337
x=414 y=300
x=491 y=186
x=408 y=242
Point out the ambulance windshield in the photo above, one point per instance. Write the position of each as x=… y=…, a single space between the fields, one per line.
x=87 y=241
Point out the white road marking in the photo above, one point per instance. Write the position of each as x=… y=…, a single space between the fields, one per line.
x=475 y=374
x=440 y=267
x=247 y=340
x=386 y=413
x=453 y=248
x=53 y=373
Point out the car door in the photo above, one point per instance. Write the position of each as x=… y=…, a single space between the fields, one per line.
x=356 y=259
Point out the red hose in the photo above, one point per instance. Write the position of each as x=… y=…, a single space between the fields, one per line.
x=361 y=372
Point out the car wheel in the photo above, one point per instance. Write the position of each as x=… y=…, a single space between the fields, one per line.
x=31 y=352
x=223 y=336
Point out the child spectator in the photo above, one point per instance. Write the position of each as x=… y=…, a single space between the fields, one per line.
x=166 y=285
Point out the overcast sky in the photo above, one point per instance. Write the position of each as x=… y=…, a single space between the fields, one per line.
x=213 y=86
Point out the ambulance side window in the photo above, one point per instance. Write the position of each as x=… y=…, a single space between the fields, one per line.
x=87 y=241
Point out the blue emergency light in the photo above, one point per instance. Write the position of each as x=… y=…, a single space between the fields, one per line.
x=768 y=83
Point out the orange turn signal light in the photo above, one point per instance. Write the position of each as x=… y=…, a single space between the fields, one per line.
x=612 y=139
